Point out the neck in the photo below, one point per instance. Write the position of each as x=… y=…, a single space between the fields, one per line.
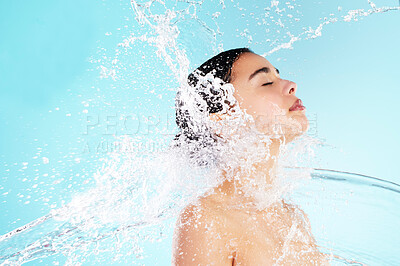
x=254 y=175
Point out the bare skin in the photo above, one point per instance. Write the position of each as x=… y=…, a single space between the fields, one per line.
x=223 y=227
x=210 y=233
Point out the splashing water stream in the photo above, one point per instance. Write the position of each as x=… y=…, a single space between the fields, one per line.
x=138 y=193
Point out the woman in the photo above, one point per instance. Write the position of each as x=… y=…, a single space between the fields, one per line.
x=227 y=226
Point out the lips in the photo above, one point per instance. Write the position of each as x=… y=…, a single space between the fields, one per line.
x=297 y=106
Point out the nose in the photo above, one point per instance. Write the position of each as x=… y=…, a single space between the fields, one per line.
x=290 y=87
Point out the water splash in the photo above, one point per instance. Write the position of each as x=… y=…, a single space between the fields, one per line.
x=312 y=33
x=134 y=194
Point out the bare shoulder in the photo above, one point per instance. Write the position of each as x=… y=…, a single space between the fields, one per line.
x=199 y=236
x=298 y=216
x=304 y=241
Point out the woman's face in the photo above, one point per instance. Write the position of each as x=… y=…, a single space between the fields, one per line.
x=261 y=91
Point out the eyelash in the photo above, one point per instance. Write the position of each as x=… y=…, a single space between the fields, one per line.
x=268 y=83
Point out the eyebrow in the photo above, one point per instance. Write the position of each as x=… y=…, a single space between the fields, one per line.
x=261 y=70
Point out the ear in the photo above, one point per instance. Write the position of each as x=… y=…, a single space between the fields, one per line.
x=216 y=117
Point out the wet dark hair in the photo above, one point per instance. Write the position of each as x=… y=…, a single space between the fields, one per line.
x=220 y=66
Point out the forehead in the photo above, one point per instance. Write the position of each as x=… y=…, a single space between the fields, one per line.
x=247 y=63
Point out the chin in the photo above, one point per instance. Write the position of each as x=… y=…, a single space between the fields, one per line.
x=303 y=120
x=292 y=126
x=284 y=126
x=298 y=124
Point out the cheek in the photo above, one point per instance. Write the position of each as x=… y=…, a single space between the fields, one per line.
x=267 y=114
x=260 y=102
x=267 y=106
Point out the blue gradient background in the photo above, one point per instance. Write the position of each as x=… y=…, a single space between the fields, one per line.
x=348 y=79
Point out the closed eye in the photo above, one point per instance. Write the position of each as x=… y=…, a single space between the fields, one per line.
x=268 y=83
